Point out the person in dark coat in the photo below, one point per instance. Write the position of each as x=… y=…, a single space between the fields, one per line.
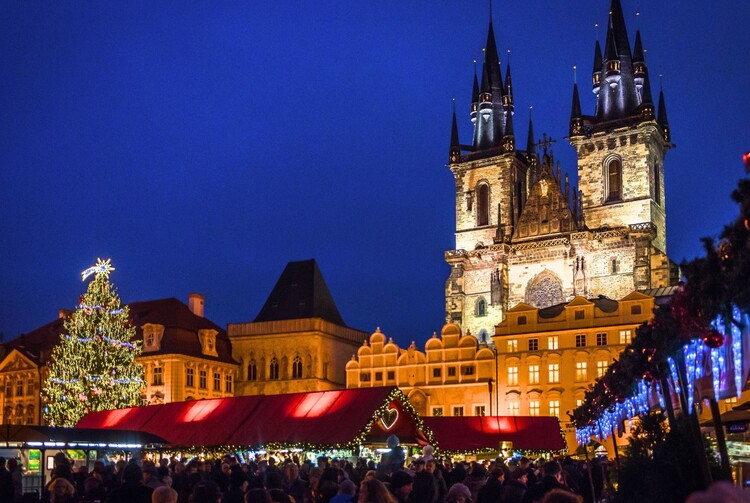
x=515 y=487
x=492 y=490
x=132 y=489
x=553 y=479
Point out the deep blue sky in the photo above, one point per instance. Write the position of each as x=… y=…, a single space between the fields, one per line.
x=201 y=146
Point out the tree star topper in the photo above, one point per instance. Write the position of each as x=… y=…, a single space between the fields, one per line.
x=101 y=267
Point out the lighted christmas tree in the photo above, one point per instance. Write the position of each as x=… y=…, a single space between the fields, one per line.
x=93 y=366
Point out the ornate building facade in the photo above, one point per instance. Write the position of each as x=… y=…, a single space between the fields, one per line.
x=298 y=342
x=523 y=232
x=452 y=376
x=185 y=357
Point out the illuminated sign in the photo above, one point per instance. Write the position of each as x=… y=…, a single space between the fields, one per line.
x=389 y=418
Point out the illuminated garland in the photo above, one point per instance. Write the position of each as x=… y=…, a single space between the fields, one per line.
x=114 y=342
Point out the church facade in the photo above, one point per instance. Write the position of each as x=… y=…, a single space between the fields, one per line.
x=524 y=233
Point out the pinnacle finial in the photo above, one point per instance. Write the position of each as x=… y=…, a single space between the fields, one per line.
x=575 y=75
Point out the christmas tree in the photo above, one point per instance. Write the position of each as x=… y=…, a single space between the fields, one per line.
x=93 y=366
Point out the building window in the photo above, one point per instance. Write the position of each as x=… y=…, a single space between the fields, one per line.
x=437 y=372
x=533 y=407
x=512 y=346
x=481 y=307
x=483 y=205
x=581 y=340
x=437 y=411
x=613 y=266
x=30 y=386
x=364 y=377
x=626 y=336
x=8 y=388
x=513 y=376
x=297 y=368
x=228 y=384
x=614 y=180
x=252 y=371
x=581 y=373
x=554 y=408
x=579 y=402
x=657 y=184
x=468 y=370
x=217 y=381
x=522 y=320
x=19 y=387
x=458 y=411
x=392 y=375
x=30 y=414
x=635 y=309
x=601 y=339
x=513 y=408
x=554 y=373
x=601 y=367
x=533 y=344
x=158 y=377
x=190 y=377
x=273 y=369
x=378 y=376
x=579 y=314
x=479 y=410
x=203 y=379
x=451 y=371
x=552 y=343
x=533 y=374
x=149 y=340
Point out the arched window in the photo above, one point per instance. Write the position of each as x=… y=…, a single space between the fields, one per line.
x=297 y=368
x=252 y=371
x=483 y=204
x=614 y=180
x=273 y=369
x=481 y=309
x=29 y=414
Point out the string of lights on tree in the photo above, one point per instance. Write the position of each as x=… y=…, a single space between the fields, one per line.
x=93 y=365
x=702 y=333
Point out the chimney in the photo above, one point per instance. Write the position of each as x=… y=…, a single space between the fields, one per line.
x=195 y=303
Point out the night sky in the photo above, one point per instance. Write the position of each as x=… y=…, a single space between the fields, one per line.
x=202 y=146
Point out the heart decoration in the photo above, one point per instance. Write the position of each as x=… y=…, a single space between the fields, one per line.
x=389 y=418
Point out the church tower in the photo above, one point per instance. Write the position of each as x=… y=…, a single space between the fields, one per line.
x=621 y=147
x=491 y=178
x=524 y=234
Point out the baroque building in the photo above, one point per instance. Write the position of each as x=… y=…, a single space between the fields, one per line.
x=298 y=341
x=185 y=357
x=524 y=234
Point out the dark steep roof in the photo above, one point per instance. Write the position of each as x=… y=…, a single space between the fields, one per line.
x=300 y=292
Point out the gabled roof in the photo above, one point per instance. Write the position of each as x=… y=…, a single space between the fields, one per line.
x=300 y=292
x=319 y=419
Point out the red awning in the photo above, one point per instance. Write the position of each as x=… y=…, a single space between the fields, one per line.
x=474 y=433
x=320 y=419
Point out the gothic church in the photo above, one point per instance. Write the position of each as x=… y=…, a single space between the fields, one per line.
x=523 y=233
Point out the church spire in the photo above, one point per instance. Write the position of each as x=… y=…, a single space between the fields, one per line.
x=596 y=74
x=661 y=118
x=530 y=143
x=454 y=153
x=475 y=96
x=576 y=118
x=492 y=63
x=508 y=98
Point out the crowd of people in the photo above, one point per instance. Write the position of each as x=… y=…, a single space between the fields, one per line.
x=423 y=479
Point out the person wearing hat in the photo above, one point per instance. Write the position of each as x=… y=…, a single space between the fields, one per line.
x=515 y=488
x=492 y=490
x=401 y=486
x=458 y=493
x=151 y=476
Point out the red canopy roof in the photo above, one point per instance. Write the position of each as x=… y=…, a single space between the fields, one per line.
x=320 y=419
x=475 y=433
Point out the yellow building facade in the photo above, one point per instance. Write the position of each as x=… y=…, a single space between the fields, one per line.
x=547 y=358
x=453 y=376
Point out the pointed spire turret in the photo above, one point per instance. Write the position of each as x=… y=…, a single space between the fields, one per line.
x=639 y=64
x=596 y=74
x=475 y=96
x=612 y=63
x=492 y=62
x=661 y=118
x=576 y=118
x=454 y=153
x=508 y=98
x=509 y=141
x=530 y=143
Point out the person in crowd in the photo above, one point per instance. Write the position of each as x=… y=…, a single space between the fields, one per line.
x=458 y=493
x=132 y=489
x=164 y=494
x=515 y=488
x=237 y=486
x=258 y=495
x=492 y=490
x=552 y=479
x=293 y=485
x=6 y=482
x=425 y=485
x=61 y=490
x=401 y=486
x=206 y=492
x=561 y=496
x=374 y=491
x=347 y=490
x=475 y=480
x=151 y=475
x=436 y=470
